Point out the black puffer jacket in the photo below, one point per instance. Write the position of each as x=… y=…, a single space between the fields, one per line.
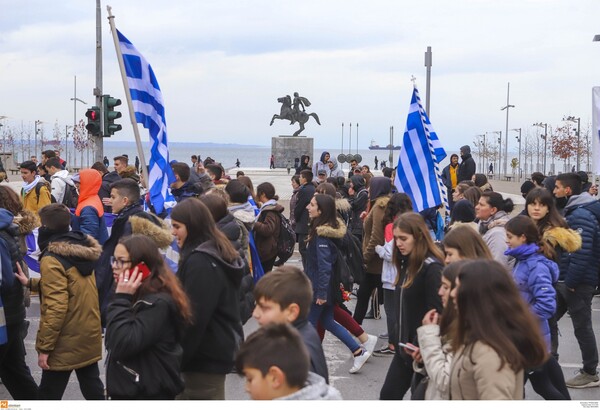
x=12 y=293
x=144 y=350
x=212 y=284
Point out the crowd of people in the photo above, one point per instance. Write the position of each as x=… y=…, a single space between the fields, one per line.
x=471 y=303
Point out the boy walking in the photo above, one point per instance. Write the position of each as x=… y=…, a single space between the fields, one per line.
x=70 y=336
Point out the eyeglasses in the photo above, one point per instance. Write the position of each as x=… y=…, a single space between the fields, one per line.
x=118 y=262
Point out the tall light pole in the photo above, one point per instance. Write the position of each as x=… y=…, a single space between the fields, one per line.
x=481 y=148
x=545 y=138
x=507 y=107
x=356 y=138
x=499 y=149
x=74 y=99
x=578 y=121
x=37 y=122
x=428 y=63
x=519 y=141
x=3 y=142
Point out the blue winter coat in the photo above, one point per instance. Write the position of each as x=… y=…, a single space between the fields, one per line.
x=321 y=256
x=534 y=275
x=581 y=267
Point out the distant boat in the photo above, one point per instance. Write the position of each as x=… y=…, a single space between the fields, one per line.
x=374 y=146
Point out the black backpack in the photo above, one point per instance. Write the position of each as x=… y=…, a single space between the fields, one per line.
x=71 y=197
x=286 y=241
x=352 y=253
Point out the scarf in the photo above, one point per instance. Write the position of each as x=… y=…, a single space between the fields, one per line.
x=498 y=219
x=269 y=202
x=28 y=187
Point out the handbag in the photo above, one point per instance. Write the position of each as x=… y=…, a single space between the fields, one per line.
x=418 y=386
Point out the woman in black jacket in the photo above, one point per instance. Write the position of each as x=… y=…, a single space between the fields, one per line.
x=145 y=326
x=419 y=264
x=210 y=270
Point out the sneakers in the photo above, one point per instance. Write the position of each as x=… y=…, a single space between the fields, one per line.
x=583 y=380
x=370 y=344
x=385 y=351
x=360 y=360
x=384 y=336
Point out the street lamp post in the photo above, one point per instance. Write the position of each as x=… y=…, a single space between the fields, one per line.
x=519 y=165
x=481 y=148
x=75 y=99
x=35 y=150
x=545 y=138
x=499 y=150
x=507 y=107
x=578 y=121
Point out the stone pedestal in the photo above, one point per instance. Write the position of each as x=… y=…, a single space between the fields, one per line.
x=286 y=149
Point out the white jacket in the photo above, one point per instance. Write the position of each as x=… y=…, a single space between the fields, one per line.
x=388 y=271
x=437 y=359
x=58 y=182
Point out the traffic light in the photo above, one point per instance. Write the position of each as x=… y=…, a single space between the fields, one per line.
x=93 y=125
x=110 y=115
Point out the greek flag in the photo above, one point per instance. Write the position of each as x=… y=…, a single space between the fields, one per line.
x=150 y=112
x=418 y=173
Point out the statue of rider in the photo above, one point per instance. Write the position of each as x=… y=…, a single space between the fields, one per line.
x=298 y=101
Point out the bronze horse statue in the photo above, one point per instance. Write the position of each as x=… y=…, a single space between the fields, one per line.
x=288 y=113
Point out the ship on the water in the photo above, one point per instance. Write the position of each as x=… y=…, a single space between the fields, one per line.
x=374 y=146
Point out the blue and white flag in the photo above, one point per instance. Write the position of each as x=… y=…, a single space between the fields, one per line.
x=150 y=112
x=418 y=174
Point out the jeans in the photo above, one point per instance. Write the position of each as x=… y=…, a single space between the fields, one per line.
x=579 y=305
x=14 y=372
x=54 y=383
x=324 y=314
x=345 y=319
x=203 y=386
x=370 y=282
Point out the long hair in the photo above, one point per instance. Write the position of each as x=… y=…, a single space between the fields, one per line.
x=413 y=224
x=553 y=218
x=201 y=228
x=495 y=200
x=448 y=318
x=248 y=182
x=325 y=204
x=399 y=203
x=468 y=243
x=472 y=194
x=143 y=249
x=492 y=311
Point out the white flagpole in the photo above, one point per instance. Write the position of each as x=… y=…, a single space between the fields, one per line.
x=134 y=124
x=595 y=133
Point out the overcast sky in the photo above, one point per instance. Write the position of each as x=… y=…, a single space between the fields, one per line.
x=222 y=65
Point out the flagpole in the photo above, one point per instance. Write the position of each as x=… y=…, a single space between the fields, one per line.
x=136 y=131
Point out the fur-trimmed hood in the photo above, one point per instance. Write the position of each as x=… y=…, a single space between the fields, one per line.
x=342 y=205
x=566 y=238
x=157 y=230
x=329 y=231
x=27 y=221
x=81 y=250
x=130 y=172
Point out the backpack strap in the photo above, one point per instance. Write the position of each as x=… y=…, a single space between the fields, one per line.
x=63 y=261
x=38 y=188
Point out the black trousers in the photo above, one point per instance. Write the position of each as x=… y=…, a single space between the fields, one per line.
x=548 y=381
x=365 y=290
x=54 y=383
x=14 y=372
x=398 y=379
x=301 y=239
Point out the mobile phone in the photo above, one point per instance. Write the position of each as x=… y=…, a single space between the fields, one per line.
x=143 y=269
x=409 y=347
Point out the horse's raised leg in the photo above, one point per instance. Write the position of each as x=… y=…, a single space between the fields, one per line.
x=275 y=116
x=300 y=130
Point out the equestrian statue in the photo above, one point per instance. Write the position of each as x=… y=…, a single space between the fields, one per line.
x=291 y=111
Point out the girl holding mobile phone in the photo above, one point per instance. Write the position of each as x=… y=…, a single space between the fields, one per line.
x=419 y=264
x=145 y=323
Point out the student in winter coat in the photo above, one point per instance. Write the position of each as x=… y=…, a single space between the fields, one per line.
x=324 y=236
x=321 y=164
x=467 y=167
x=419 y=265
x=333 y=169
x=304 y=164
x=305 y=194
x=70 y=336
x=35 y=193
x=489 y=360
x=535 y=275
x=145 y=326
x=107 y=179
x=492 y=212
x=14 y=372
x=267 y=226
x=295 y=181
x=89 y=214
x=210 y=270
x=131 y=219
x=359 y=200
x=373 y=236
